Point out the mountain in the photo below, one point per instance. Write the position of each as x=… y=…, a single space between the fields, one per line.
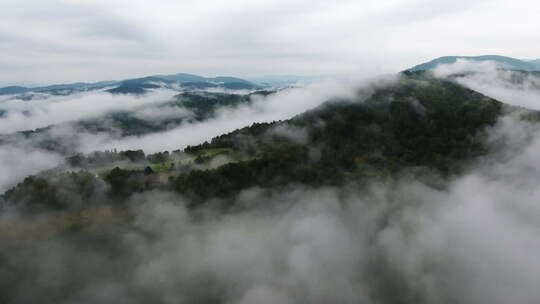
x=184 y=81
x=502 y=61
x=182 y=77
x=140 y=85
x=56 y=88
x=137 y=85
x=417 y=122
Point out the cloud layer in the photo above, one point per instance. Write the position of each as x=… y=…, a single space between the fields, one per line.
x=282 y=105
x=53 y=110
x=511 y=87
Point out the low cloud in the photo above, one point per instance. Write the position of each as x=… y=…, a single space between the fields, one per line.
x=19 y=162
x=157 y=114
x=52 y=110
x=390 y=241
x=397 y=240
x=290 y=132
x=23 y=157
x=282 y=105
x=511 y=87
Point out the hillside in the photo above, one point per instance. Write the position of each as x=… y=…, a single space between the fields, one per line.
x=416 y=122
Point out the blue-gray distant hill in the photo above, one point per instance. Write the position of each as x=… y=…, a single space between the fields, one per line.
x=140 y=85
x=508 y=63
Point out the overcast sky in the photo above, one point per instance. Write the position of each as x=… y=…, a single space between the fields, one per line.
x=50 y=41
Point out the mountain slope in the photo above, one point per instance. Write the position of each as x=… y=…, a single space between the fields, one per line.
x=502 y=61
x=436 y=125
x=416 y=122
x=13 y=90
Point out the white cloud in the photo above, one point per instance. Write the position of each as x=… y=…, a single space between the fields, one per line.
x=37 y=113
x=510 y=87
x=282 y=105
x=17 y=163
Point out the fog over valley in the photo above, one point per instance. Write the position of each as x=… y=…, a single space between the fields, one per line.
x=249 y=152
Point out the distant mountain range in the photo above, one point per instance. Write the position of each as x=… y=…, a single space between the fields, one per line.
x=140 y=85
x=504 y=62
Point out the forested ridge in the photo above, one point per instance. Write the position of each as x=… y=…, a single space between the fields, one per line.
x=415 y=122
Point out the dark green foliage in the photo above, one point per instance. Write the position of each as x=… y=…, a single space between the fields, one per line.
x=134 y=155
x=136 y=86
x=289 y=163
x=159 y=157
x=70 y=190
x=148 y=170
x=95 y=159
x=124 y=183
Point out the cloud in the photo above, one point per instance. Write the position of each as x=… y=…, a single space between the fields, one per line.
x=19 y=162
x=387 y=241
x=157 y=114
x=53 y=110
x=282 y=105
x=399 y=239
x=511 y=87
x=293 y=133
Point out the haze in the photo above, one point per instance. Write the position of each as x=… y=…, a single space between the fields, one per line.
x=66 y=41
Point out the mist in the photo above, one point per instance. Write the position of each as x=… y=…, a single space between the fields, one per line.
x=52 y=110
x=394 y=240
x=336 y=185
x=22 y=157
x=282 y=105
x=398 y=240
x=19 y=162
x=511 y=87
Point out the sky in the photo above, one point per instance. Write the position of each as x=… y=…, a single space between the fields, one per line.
x=54 y=41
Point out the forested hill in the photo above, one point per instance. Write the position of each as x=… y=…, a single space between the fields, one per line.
x=414 y=122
